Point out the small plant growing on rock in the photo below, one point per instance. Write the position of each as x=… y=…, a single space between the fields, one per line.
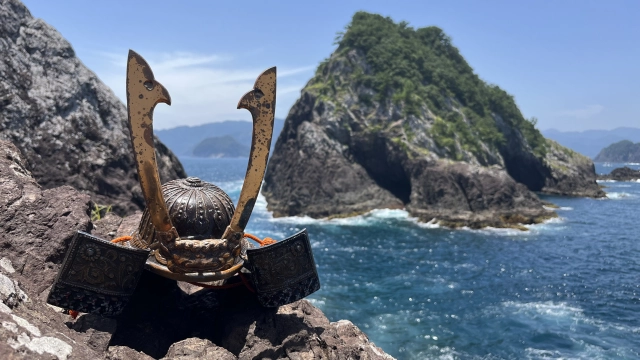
x=99 y=211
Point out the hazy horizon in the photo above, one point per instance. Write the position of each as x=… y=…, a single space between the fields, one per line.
x=568 y=64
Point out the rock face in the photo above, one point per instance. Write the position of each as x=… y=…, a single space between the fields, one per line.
x=70 y=127
x=620 y=152
x=621 y=174
x=163 y=320
x=396 y=118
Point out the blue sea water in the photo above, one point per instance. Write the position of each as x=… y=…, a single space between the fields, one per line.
x=566 y=289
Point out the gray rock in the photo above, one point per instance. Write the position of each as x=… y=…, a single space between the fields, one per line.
x=70 y=127
x=194 y=348
x=107 y=227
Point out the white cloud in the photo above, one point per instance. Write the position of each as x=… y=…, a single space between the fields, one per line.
x=584 y=113
x=203 y=88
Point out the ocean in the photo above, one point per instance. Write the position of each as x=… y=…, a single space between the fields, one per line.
x=565 y=289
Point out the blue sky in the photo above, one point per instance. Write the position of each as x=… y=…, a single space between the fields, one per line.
x=572 y=64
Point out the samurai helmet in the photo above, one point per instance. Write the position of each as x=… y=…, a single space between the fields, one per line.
x=191 y=226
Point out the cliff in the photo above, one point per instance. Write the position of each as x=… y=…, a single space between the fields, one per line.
x=164 y=319
x=70 y=127
x=397 y=118
x=621 y=152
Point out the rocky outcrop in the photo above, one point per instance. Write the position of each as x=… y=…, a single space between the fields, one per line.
x=70 y=127
x=621 y=174
x=164 y=319
x=623 y=151
x=569 y=173
x=361 y=137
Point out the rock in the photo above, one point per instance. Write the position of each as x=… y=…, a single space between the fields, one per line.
x=571 y=174
x=348 y=147
x=621 y=174
x=129 y=224
x=36 y=226
x=97 y=331
x=107 y=227
x=161 y=320
x=125 y=353
x=461 y=194
x=194 y=348
x=70 y=127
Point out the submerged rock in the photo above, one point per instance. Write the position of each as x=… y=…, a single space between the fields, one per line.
x=164 y=319
x=395 y=118
x=70 y=127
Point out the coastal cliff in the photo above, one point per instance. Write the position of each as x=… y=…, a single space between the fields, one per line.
x=396 y=118
x=70 y=127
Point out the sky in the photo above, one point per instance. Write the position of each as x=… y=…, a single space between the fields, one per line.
x=571 y=64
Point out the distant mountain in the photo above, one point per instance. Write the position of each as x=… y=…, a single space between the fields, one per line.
x=621 y=152
x=182 y=140
x=221 y=146
x=590 y=142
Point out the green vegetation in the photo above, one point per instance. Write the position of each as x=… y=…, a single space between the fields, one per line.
x=421 y=67
x=99 y=211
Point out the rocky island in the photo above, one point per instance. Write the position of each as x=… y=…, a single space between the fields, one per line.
x=396 y=118
x=220 y=146
x=623 y=151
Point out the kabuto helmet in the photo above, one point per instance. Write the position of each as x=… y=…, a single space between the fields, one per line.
x=190 y=230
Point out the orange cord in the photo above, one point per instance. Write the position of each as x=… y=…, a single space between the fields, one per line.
x=264 y=242
x=121 y=239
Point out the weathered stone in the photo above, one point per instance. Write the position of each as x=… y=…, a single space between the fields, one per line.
x=70 y=127
x=125 y=353
x=107 y=227
x=194 y=348
x=36 y=226
x=97 y=330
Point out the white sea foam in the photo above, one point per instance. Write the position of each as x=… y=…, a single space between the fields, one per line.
x=374 y=216
x=533 y=229
x=548 y=308
x=607 y=181
x=562 y=313
x=562 y=208
x=619 y=195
